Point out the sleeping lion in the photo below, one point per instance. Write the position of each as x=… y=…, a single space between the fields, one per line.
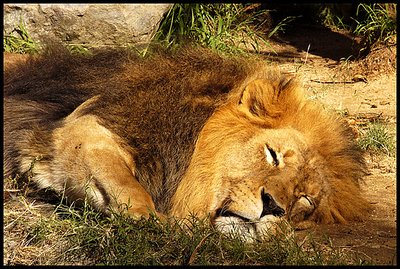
x=181 y=133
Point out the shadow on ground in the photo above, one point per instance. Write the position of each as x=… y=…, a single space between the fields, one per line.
x=320 y=41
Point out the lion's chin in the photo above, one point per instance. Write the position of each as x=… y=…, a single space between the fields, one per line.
x=264 y=229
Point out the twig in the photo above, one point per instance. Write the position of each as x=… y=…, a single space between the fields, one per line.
x=308 y=48
x=333 y=82
x=191 y=259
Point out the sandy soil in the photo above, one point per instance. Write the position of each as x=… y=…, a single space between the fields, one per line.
x=364 y=91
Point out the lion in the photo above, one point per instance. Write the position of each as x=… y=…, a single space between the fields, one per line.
x=175 y=133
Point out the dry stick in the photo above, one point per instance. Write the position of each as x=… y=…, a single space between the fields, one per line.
x=333 y=82
x=308 y=49
x=191 y=259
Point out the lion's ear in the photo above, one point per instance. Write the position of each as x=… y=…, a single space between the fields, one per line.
x=251 y=99
x=266 y=98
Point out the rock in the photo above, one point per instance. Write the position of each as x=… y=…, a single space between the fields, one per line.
x=90 y=24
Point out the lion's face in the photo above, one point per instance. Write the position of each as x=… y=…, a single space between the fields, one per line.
x=259 y=183
x=258 y=162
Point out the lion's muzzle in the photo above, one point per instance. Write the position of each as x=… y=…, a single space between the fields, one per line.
x=235 y=223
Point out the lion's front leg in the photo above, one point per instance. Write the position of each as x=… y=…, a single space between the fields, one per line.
x=116 y=186
x=96 y=166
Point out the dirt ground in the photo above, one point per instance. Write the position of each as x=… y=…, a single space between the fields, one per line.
x=364 y=91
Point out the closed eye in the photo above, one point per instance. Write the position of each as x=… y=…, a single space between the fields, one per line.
x=271 y=155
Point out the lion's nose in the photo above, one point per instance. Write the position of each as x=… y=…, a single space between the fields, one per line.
x=269 y=206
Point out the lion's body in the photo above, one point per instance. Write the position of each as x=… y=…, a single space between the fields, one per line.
x=178 y=134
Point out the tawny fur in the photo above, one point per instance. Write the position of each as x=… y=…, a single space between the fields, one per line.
x=187 y=131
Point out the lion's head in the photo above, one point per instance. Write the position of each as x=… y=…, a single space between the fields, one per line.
x=268 y=155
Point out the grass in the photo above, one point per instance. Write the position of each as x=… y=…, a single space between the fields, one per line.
x=37 y=233
x=222 y=27
x=332 y=20
x=376 y=23
x=19 y=41
x=376 y=138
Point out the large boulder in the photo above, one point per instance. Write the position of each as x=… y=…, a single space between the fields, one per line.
x=87 y=24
